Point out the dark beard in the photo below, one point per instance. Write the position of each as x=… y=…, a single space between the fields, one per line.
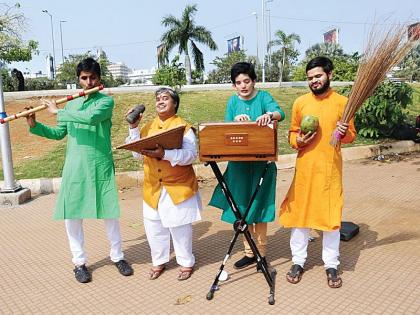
x=322 y=90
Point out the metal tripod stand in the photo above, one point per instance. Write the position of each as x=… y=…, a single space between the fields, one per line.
x=241 y=226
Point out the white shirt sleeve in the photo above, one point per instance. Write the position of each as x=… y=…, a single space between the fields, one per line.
x=187 y=154
x=133 y=135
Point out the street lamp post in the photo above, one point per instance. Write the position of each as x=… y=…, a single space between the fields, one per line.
x=267 y=34
x=256 y=19
x=52 y=37
x=269 y=31
x=263 y=38
x=61 y=38
x=9 y=184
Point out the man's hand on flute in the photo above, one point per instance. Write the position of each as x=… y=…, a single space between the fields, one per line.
x=51 y=106
x=30 y=118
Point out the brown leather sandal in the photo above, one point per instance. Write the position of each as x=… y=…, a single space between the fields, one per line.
x=333 y=279
x=185 y=273
x=155 y=272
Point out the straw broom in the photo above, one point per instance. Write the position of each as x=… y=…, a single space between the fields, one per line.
x=384 y=50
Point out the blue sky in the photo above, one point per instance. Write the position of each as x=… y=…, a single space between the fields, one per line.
x=129 y=31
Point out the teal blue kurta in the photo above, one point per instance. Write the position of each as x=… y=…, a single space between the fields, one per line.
x=242 y=177
x=88 y=188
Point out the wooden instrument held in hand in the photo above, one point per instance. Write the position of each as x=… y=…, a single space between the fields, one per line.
x=59 y=101
x=237 y=141
x=168 y=139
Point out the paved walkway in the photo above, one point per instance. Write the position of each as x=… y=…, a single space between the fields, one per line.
x=381 y=269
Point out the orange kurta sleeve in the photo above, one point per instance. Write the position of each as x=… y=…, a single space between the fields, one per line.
x=294 y=125
x=351 y=133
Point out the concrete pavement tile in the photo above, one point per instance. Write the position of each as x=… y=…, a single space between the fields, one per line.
x=380 y=265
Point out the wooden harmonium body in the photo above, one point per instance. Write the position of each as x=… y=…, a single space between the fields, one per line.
x=237 y=141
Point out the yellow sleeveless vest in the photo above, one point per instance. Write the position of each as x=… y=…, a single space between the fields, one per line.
x=179 y=181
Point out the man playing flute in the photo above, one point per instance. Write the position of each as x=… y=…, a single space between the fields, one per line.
x=88 y=189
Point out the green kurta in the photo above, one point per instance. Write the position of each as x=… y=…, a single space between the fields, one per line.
x=242 y=177
x=88 y=188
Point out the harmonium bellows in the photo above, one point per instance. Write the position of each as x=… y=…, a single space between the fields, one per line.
x=237 y=141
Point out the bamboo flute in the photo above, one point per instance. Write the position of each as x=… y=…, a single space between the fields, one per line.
x=59 y=101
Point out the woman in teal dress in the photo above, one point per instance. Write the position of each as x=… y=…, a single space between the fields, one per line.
x=242 y=178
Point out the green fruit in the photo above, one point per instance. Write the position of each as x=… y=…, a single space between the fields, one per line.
x=309 y=124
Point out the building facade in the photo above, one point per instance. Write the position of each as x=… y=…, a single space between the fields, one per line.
x=119 y=70
x=141 y=76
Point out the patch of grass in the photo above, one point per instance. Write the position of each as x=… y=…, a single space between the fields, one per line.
x=195 y=107
x=414 y=109
x=48 y=166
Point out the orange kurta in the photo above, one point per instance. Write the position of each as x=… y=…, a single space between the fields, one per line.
x=315 y=197
x=179 y=181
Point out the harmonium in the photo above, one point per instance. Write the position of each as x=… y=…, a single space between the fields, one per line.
x=237 y=141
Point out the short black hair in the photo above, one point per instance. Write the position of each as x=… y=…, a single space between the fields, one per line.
x=89 y=65
x=325 y=63
x=242 y=68
x=172 y=93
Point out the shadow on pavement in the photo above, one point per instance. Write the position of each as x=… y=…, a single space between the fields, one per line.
x=350 y=251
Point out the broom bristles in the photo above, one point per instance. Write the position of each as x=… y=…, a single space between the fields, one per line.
x=383 y=51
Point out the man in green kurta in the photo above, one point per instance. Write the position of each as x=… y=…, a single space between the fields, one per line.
x=249 y=104
x=88 y=189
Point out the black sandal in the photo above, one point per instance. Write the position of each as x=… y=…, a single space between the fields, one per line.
x=333 y=279
x=295 y=274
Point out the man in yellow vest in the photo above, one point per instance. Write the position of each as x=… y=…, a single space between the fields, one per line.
x=171 y=201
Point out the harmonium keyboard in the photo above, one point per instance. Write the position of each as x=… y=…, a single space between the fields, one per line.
x=237 y=141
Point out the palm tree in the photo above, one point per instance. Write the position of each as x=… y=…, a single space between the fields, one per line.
x=324 y=49
x=410 y=66
x=286 y=43
x=184 y=33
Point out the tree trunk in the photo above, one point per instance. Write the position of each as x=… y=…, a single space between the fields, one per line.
x=282 y=67
x=188 y=69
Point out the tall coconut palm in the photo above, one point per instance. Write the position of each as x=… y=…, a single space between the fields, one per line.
x=286 y=43
x=184 y=34
x=324 y=49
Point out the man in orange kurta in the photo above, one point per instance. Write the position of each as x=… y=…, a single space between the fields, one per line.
x=315 y=197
